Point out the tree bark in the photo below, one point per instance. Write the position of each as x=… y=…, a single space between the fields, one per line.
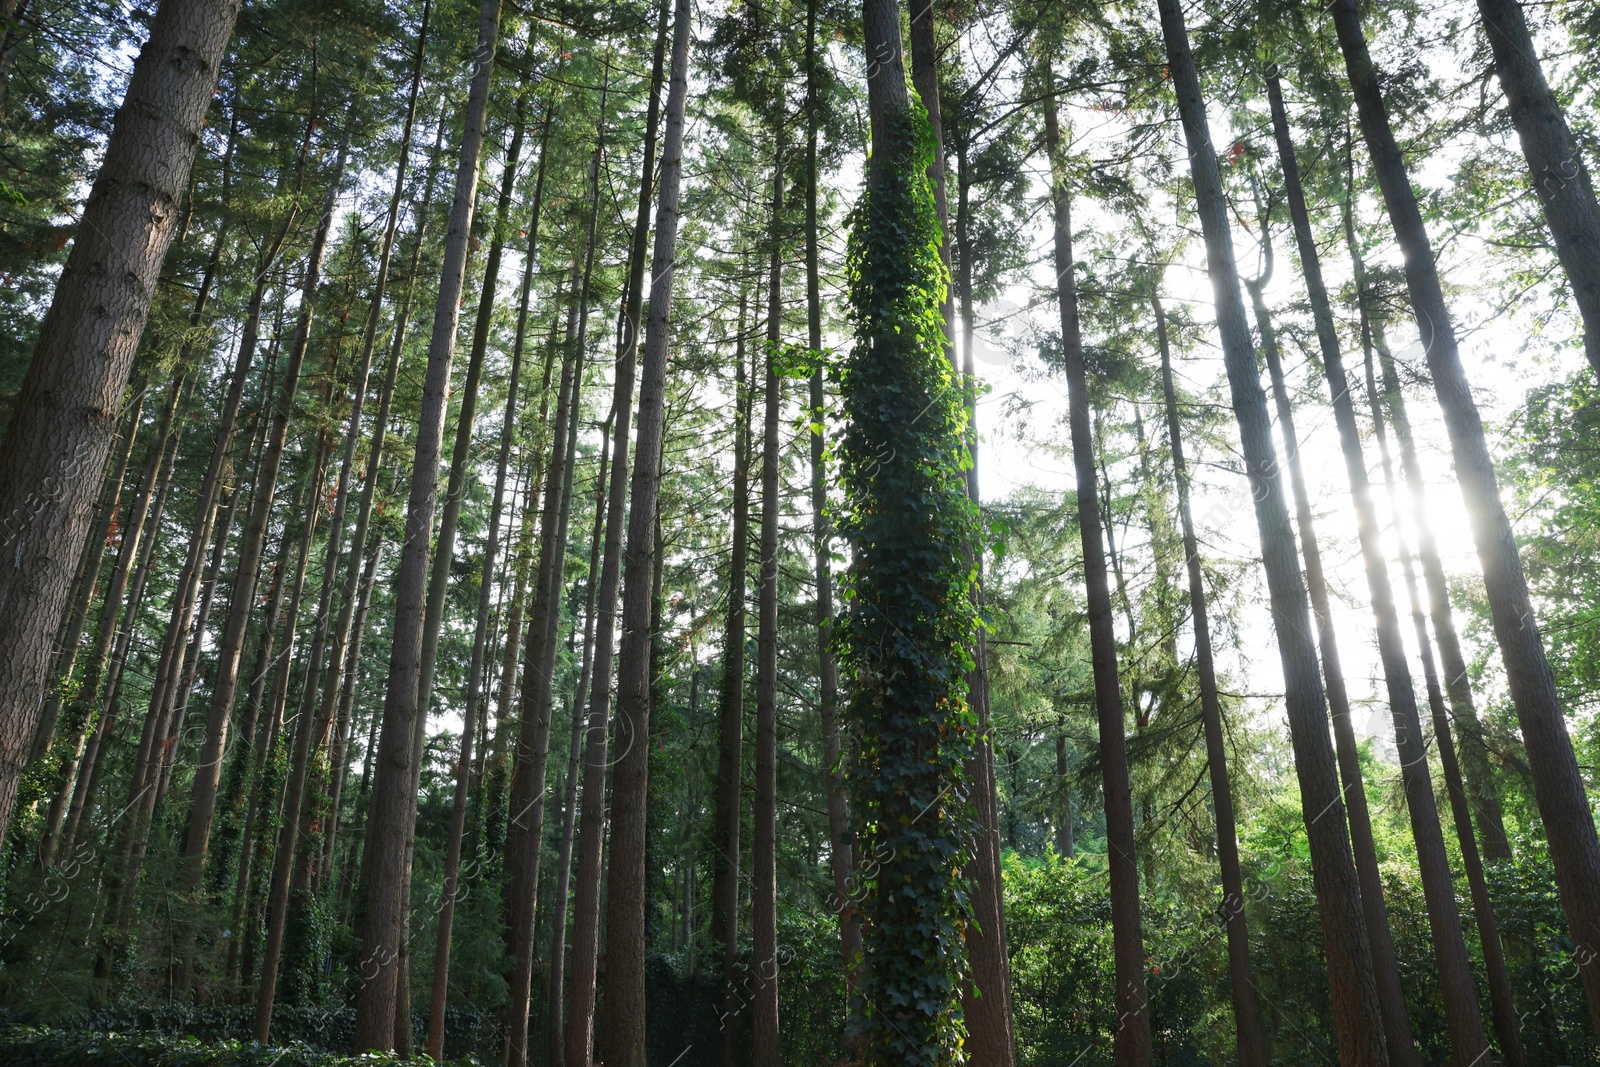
x=1558 y=785
x=57 y=443
x=1464 y=1023
x=384 y=923
x=592 y=816
x=623 y=1011
x=1357 y=1018
x=1133 y=1047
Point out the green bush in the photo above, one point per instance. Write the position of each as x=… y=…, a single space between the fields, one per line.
x=26 y=1046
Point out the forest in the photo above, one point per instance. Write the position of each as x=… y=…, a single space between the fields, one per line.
x=842 y=533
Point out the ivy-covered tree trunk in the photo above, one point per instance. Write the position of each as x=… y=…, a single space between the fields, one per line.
x=58 y=441
x=1133 y=1045
x=1558 y=784
x=1358 y=1021
x=909 y=622
x=1251 y=1041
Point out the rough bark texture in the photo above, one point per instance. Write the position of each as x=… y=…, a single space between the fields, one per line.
x=1558 y=784
x=1357 y=1018
x=57 y=444
x=384 y=923
x=623 y=1010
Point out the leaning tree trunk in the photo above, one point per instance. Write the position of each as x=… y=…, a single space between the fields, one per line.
x=592 y=815
x=623 y=1011
x=1133 y=1046
x=384 y=921
x=57 y=443
x=764 y=851
x=1358 y=1021
x=1555 y=166
x=1467 y=1039
x=1251 y=1041
x=1483 y=789
x=1557 y=782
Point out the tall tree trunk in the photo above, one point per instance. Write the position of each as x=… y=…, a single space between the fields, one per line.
x=839 y=852
x=1468 y=1041
x=592 y=816
x=623 y=1011
x=1358 y=1021
x=986 y=1000
x=1132 y=1040
x=1555 y=167
x=727 y=838
x=764 y=851
x=1558 y=784
x=384 y=922
x=58 y=440
x=224 y=689
x=491 y=550
x=569 y=820
x=525 y=827
x=1483 y=790
x=908 y=628
x=1251 y=1042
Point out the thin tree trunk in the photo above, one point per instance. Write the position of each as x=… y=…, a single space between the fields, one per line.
x=839 y=853
x=57 y=443
x=444 y=553
x=338 y=755
x=1358 y=1021
x=764 y=853
x=1558 y=784
x=1468 y=1041
x=727 y=838
x=623 y=1011
x=1483 y=790
x=1132 y=1040
x=385 y=875
x=569 y=820
x=1251 y=1042
x=592 y=817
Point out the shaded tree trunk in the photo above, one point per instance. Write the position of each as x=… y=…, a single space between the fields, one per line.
x=56 y=446
x=384 y=922
x=1558 y=784
x=1252 y=1045
x=1358 y=1020
x=1132 y=1041
x=580 y=1026
x=623 y=1011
